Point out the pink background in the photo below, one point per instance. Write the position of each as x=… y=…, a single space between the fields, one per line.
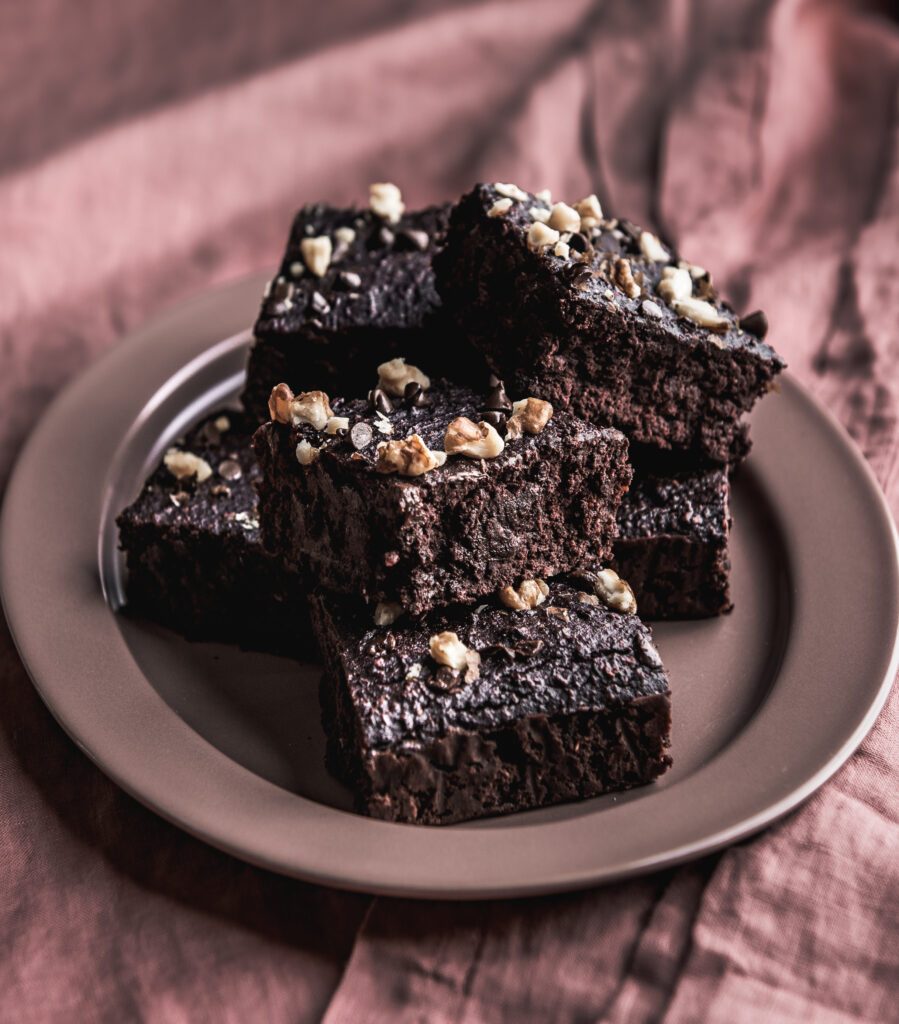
x=153 y=149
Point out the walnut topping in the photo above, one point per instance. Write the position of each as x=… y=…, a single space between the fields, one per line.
x=652 y=248
x=279 y=403
x=651 y=308
x=560 y=613
x=564 y=218
x=511 y=191
x=702 y=313
x=387 y=612
x=500 y=207
x=545 y=195
x=311 y=407
x=185 y=464
x=306 y=454
x=675 y=284
x=336 y=423
x=386 y=201
x=514 y=429
x=586 y=598
x=394 y=376
x=624 y=278
x=532 y=414
x=562 y=250
x=447 y=649
x=615 y=592
x=589 y=211
x=477 y=441
x=317 y=254
x=539 y=236
x=528 y=594
x=539 y=213
x=409 y=457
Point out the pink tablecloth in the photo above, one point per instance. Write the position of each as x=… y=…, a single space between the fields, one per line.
x=152 y=149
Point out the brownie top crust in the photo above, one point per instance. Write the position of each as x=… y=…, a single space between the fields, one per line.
x=569 y=653
x=686 y=505
x=613 y=263
x=349 y=268
x=205 y=482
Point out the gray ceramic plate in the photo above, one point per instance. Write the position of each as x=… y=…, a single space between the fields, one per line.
x=768 y=701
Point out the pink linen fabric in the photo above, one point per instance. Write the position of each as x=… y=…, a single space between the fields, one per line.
x=152 y=150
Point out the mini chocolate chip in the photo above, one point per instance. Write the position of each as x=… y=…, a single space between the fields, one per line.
x=493 y=381
x=211 y=432
x=386 y=236
x=417 y=239
x=579 y=242
x=342 y=431
x=381 y=401
x=349 y=279
x=411 y=391
x=495 y=417
x=446 y=679
x=319 y=303
x=498 y=399
x=360 y=435
x=755 y=323
x=230 y=470
x=579 y=275
x=281 y=289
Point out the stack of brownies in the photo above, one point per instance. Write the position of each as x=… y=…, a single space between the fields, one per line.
x=480 y=420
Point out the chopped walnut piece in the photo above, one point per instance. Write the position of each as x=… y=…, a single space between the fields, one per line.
x=279 y=403
x=514 y=429
x=345 y=236
x=586 y=598
x=539 y=213
x=651 y=308
x=336 y=423
x=386 y=201
x=624 y=278
x=409 y=457
x=562 y=250
x=540 y=236
x=545 y=195
x=560 y=613
x=185 y=464
x=652 y=248
x=447 y=649
x=675 y=284
x=528 y=594
x=615 y=592
x=396 y=374
x=311 y=407
x=564 y=218
x=317 y=254
x=532 y=413
x=387 y=612
x=500 y=207
x=477 y=441
x=702 y=313
x=511 y=191
x=589 y=211
x=306 y=453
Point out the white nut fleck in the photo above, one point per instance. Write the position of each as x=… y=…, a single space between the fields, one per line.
x=652 y=248
x=317 y=254
x=296 y=269
x=545 y=195
x=414 y=671
x=382 y=424
x=279 y=403
x=589 y=211
x=311 y=407
x=695 y=271
x=675 y=284
x=396 y=374
x=477 y=441
x=615 y=592
x=185 y=464
x=222 y=424
x=500 y=207
x=345 y=236
x=562 y=250
x=564 y=218
x=386 y=201
x=387 y=612
x=651 y=308
x=448 y=649
x=539 y=213
x=528 y=594
x=408 y=457
x=511 y=191
x=336 y=423
x=702 y=313
x=532 y=413
x=539 y=236
x=306 y=453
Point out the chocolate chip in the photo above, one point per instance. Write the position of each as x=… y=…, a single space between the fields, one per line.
x=320 y=304
x=415 y=239
x=349 y=279
x=498 y=399
x=755 y=323
x=411 y=391
x=211 y=432
x=386 y=236
x=230 y=470
x=360 y=435
x=381 y=401
x=579 y=242
x=579 y=275
x=495 y=418
x=281 y=289
x=493 y=381
x=341 y=432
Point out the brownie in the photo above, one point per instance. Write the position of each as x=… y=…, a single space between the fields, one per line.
x=672 y=544
x=441 y=529
x=611 y=323
x=375 y=299
x=561 y=702
x=193 y=550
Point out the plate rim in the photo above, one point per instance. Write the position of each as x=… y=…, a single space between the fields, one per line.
x=216 y=309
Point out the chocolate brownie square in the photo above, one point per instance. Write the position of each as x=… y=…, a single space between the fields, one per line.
x=354 y=288
x=672 y=545
x=467 y=712
x=435 y=497
x=608 y=322
x=193 y=551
